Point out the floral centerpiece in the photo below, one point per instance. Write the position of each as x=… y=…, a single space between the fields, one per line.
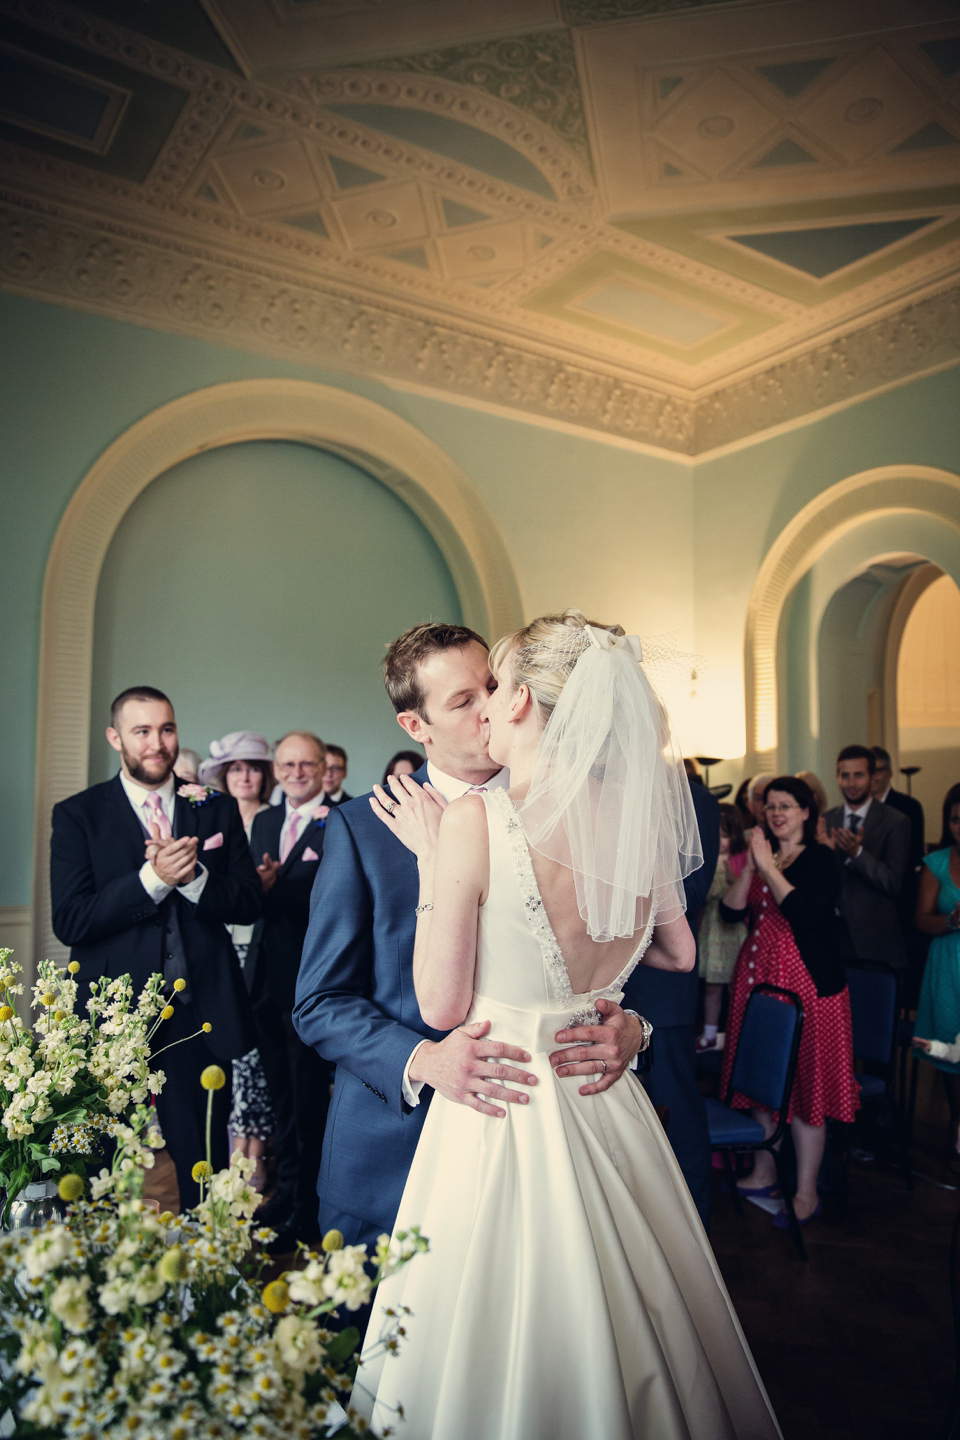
x=66 y=1080
x=122 y=1322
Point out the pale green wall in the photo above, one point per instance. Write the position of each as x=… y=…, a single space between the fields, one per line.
x=743 y=500
x=660 y=545
x=584 y=522
x=239 y=583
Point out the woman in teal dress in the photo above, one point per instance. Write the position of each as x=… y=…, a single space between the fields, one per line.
x=938 y=914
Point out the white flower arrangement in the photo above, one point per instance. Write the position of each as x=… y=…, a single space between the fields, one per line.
x=67 y=1081
x=123 y=1323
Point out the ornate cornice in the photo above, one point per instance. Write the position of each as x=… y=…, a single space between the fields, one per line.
x=140 y=278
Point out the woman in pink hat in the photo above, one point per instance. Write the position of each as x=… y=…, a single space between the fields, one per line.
x=240 y=764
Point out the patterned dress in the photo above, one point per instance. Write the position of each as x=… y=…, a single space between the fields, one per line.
x=824 y=1085
x=938 y=1009
x=720 y=940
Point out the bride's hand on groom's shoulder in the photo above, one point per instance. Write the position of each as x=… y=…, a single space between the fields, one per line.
x=601 y=1051
x=412 y=812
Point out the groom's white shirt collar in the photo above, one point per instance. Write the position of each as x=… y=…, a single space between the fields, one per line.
x=452 y=789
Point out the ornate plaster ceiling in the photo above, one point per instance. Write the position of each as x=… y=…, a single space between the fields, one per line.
x=681 y=224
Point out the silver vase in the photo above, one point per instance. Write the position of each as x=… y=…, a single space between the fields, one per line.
x=34 y=1206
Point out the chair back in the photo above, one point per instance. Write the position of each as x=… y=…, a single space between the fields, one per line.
x=767 y=1047
x=874 y=1010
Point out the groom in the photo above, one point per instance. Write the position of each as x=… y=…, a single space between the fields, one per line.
x=355 y=999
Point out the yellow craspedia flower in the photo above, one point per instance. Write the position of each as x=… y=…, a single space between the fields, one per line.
x=74 y=967
x=201 y=1171
x=180 y=984
x=70 y=1188
x=166 y=1013
x=173 y=1266
x=333 y=1240
x=206 y=1027
x=6 y=1012
x=59 y=1014
x=212 y=1078
x=166 y=1217
x=47 y=998
x=276 y=1296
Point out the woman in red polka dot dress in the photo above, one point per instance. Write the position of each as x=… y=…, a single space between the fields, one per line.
x=788 y=892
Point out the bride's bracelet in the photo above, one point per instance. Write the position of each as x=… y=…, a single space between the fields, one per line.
x=420 y=908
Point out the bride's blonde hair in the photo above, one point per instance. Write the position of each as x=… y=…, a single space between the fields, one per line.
x=544 y=654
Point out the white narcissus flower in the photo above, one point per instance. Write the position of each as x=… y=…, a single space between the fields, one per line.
x=306 y=1286
x=298 y=1343
x=115 y=1296
x=69 y=1303
x=48 y=1250
x=148 y=1287
x=346 y=1281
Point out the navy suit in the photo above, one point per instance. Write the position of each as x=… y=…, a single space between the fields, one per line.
x=101 y=910
x=356 y=1006
x=297 y=1078
x=669 y=1001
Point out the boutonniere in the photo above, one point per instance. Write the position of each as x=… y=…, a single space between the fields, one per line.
x=320 y=814
x=197 y=794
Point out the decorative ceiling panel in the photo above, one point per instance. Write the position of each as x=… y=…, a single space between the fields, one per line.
x=645 y=226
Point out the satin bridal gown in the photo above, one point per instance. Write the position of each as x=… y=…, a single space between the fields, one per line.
x=570 y=1292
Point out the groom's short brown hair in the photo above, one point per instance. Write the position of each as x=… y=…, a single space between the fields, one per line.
x=401 y=665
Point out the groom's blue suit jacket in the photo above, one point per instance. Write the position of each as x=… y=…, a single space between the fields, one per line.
x=356 y=1005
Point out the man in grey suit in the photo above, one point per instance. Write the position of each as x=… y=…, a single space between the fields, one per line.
x=872 y=842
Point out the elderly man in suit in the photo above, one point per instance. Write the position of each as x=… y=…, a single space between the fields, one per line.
x=287 y=841
x=668 y=999
x=355 y=997
x=144 y=876
x=872 y=841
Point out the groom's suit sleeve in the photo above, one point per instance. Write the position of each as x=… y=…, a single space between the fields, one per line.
x=334 y=1012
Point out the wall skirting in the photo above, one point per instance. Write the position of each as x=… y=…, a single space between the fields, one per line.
x=890 y=488
x=398 y=454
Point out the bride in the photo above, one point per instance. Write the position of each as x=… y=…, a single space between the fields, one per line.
x=570 y=1292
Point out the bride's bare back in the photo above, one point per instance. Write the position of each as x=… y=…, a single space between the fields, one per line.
x=591 y=964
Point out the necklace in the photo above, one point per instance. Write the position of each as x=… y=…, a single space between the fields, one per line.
x=779 y=860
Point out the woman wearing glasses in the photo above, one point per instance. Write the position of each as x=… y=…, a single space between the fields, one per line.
x=787 y=892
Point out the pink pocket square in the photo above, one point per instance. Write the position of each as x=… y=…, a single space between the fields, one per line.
x=214 y=842
x=309 y=854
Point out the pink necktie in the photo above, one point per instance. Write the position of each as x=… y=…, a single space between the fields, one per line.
x=156 y=815
x=290 y=839
x=476 y=789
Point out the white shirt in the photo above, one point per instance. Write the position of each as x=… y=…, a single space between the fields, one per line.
x=336 y=797
x=883 y=798
x=305 y=810
x=451 y=789
x=156 y=888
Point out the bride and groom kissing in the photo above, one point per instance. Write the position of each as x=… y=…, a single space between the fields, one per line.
x=470 y=937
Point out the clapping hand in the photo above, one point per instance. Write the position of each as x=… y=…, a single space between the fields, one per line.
x=847 y=841
x=267 y=870
x=761 y=851
x=175 y=861
x=412 y=812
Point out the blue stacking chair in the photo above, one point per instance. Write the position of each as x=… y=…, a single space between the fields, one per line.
x=875 y=1014
x=764 y=1067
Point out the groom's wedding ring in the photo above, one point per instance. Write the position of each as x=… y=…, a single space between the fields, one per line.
x=604 y=1064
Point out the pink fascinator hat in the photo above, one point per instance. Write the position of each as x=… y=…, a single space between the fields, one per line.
x=238 y=745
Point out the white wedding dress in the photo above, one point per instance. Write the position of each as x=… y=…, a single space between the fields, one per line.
x=570 y=1292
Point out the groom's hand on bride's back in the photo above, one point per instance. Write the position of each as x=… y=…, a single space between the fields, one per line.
x=471 y=1070
x=601 y=1051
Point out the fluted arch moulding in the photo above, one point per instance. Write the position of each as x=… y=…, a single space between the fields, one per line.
x=391 y=449
x=907 y=489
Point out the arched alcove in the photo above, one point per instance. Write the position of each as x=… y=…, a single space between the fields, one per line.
x=389 y=448
x=891 y=500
